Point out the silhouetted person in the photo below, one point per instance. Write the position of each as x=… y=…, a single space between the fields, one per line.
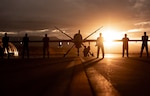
x=25 y=42
x=86 y=51
x=78 y=41
x=99 y=44
x=125 y=45
x=90 y=53
x=45 y=46
x=5 y=41
x=1 y=52
x=144 y=44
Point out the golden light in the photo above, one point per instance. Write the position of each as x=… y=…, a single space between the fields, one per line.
x=110 y=34
x=12 y=49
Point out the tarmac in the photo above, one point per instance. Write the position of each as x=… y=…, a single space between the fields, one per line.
x=75 y=76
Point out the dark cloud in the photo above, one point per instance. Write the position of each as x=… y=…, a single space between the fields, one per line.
x=38 y=14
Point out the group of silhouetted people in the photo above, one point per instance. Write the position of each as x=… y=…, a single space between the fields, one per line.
x=25 y=46
x=144 y=45
x=125 y=40
x=78 y=43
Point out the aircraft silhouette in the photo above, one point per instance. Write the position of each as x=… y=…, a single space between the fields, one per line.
x=73 y=40
x=77 y=40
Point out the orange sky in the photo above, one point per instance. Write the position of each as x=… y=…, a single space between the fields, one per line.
x=37 y=17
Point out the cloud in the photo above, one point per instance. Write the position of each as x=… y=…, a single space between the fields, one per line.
x=141 y=9
x=42 y=14
x=143 y=23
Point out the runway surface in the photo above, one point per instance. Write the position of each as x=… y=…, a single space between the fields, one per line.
x=75 y=76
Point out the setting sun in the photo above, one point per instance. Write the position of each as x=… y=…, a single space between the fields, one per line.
x=109 y=35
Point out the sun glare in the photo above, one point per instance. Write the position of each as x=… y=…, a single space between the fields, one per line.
x=109 y=35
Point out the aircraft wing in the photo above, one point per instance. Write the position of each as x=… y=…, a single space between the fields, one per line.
x=60 y=41
x=91 y=40
x=94 y=40
x=42 y=41
x=129 y=40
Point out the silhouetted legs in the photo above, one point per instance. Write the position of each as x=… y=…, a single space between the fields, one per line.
x=142 y=48
x=27 y=51
x=7 y=49
x=1 y=52
x=45 y=50
x=98 y=51
x=124 y=52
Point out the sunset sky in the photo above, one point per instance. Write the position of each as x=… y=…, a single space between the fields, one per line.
x=40 y=16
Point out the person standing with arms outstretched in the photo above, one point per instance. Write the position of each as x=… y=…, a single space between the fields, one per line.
x=25 y=42
x=125 y=45
x=45 y=46
x=5 y=41
x=99 y=44
x=144 y=44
